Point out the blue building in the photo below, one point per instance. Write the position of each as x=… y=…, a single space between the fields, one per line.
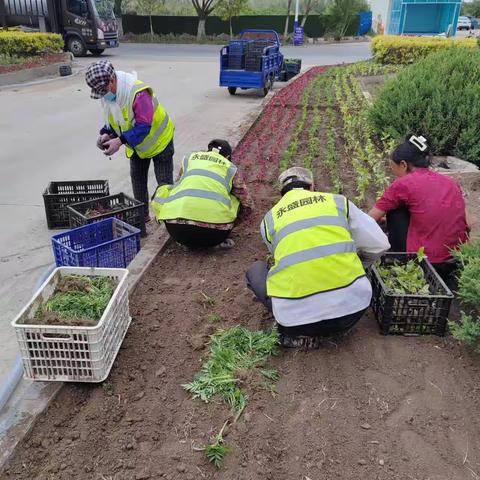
x=415 y=17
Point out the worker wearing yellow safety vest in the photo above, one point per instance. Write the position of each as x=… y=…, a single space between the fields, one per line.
x=201 y=209
x=133 y=117
x=316 y=283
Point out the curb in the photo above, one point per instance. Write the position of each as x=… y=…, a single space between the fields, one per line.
x=30 y=74
x=30 y=399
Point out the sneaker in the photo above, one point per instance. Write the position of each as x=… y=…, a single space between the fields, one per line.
x=227 y=244
x=301 y=341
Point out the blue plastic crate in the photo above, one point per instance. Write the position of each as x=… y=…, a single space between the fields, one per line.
x=237 y=47
x=108 y=243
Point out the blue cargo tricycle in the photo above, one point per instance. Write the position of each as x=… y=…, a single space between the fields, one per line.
x=252 y=61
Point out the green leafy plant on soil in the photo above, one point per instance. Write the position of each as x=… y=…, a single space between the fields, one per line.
x=217 y=450
x=468 y=329
x=77 y=300
x=233 y=352
x=236 y=354
x=214 y=318
x=405 y=279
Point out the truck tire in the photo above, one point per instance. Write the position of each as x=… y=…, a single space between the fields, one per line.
x=76 y=46
x=96 y=52
x=232 y=90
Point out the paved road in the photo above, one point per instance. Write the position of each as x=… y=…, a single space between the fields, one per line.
x=49 y=134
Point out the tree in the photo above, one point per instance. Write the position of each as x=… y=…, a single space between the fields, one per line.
x=150 y=7
x=342 y=13
x=203 y=8
x=289 y=6
x=227 y=9
x=312 y=5
x=472 y=9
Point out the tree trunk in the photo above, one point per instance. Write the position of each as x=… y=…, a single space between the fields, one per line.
x=151 y=27
x=201 y=28
x=118 y=8
x=231 y=29
x=287 y=20
x=304 y=19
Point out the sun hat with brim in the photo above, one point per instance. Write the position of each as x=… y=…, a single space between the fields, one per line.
x=296 y=174
x=98 y=77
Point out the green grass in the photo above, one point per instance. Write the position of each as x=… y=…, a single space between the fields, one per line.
x=7 y=60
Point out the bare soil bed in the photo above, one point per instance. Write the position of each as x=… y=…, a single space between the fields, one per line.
x=363 y=406
x=33 y=62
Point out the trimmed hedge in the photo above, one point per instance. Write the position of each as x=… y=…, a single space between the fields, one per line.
x=393 y=49
x=438 y=97
x=23 y=44
x=315 y=26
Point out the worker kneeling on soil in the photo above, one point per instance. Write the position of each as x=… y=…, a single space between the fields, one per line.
x=423 y=208
x=201 y=209
x=134 y=118
x=316 y=284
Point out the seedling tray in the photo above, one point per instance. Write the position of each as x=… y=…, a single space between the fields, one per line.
x=120 y=206
x=58 y=195
x=71 y=353
x=109 y=243
x=401 y=314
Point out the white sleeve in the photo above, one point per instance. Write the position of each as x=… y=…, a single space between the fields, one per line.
x=264 y=236
x=366 y=233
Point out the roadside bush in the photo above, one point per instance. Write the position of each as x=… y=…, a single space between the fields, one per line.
x=468 y=329
x=438 y=97
x=404 y=50
x=23 y=44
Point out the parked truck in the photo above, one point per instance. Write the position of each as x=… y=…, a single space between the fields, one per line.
x=84 y=24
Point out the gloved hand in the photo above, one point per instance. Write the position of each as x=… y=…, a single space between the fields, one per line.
x=102 y=139
x=112 y=146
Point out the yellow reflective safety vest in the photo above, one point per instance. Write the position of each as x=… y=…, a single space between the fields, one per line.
x=312 y=245
x=161 y=132
x=203 y=193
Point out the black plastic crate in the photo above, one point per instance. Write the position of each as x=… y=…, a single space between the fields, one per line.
x=410 y=314
x=59 y=195
x=122 y=206
x=293 y=65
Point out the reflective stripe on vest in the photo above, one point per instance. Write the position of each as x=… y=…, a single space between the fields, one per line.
x=161 y=132
x=206 y=177
x=304 y=263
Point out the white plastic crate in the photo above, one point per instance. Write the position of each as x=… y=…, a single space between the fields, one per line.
x=74 y=354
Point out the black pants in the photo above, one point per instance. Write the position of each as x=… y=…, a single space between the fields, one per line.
x=193 y=236
x=163 y=166
x=398 y=222
x=257 y=282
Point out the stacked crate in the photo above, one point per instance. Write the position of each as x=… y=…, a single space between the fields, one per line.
x=236 y=54
x=254 y=53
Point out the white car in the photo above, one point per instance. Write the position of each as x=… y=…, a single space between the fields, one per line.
x=464 y=23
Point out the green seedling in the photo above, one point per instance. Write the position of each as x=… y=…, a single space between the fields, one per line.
x=207 y=301
x=214 y=318
x=217 y=450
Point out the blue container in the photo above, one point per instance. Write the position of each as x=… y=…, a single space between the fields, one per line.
x=108 y=243
x=237 y=47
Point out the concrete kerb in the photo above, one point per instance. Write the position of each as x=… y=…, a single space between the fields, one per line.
x=30 y=399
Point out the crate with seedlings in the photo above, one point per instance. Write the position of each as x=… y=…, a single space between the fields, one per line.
x=59 y=195
x=74 y=325
x=120 y=206
x=409 y=297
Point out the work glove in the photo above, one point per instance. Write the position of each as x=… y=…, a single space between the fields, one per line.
x=102 y=139
x=112 y=146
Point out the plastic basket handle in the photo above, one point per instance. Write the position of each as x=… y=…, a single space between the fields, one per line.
x=59 y=337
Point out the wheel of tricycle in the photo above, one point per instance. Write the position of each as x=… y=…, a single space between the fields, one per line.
x=268 y=86
x=232 y=90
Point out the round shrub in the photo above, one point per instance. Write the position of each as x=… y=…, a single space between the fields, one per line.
x=438 y=97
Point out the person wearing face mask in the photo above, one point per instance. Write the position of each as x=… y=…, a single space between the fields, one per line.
x=423 y=208
x=134 y=118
